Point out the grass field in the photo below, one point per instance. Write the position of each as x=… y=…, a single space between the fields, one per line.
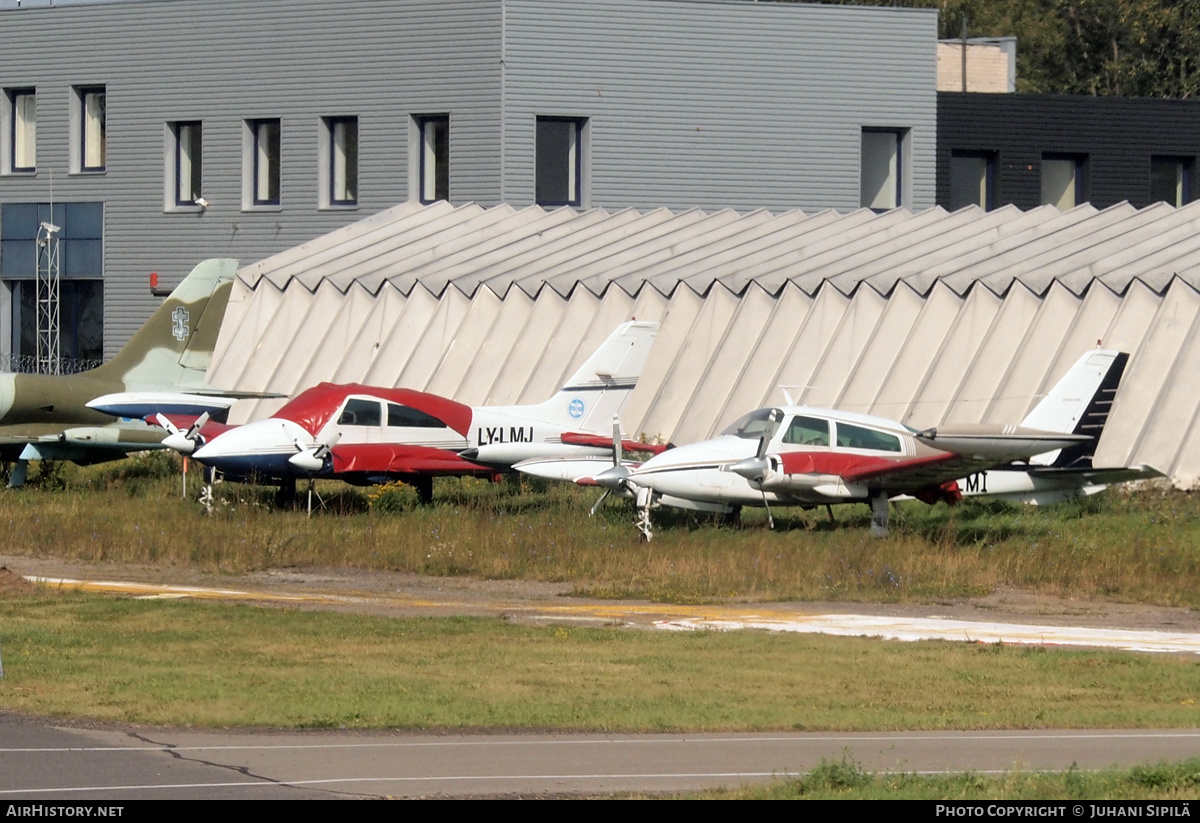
x=844 y=779
x=1132 y=547
x=175 y=663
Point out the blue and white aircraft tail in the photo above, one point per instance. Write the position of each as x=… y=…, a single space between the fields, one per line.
x=601 y=387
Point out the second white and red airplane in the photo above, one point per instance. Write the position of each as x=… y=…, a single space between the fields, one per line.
x=368 y=435
x=797 y=455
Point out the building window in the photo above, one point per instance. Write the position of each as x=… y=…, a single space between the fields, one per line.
x=883 y=168
x=81 y=284
x=1063 y=181
x=434 y=162
x=559 y=166
x=20 y=131
x=1171 y=180
x=89 y=143
x=339 y=165
x=972 y=179
x=262 y=157
x=186 y=164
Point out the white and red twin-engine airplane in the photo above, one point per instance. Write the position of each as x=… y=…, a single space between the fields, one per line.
x=366 y=435
x=796 y=455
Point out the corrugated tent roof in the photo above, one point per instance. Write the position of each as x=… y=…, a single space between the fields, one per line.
x=500 y=305
x=440 y=245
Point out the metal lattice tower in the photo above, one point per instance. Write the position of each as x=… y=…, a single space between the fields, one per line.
x=48 y=360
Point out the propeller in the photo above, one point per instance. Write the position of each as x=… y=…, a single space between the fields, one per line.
x=182 y=441
x=613 y=479
x=312 y=459
x=755 y=468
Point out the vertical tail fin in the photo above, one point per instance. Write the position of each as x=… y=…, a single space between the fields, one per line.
x=600 y=389
x=1079 y=404
x=174 y=347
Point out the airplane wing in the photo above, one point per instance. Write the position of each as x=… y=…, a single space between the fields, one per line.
x=81 y=444
x=931 y=476
x=397 y=458
x=911 y=476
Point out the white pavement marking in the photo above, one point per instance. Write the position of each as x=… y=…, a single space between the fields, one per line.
x=428 y=779
x=845 y=625
x=623 y=741
x=937 y=628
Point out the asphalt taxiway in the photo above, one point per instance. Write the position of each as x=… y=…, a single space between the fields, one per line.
x=42 y=762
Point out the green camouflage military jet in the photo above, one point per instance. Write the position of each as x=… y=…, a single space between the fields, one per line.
x=161 y=369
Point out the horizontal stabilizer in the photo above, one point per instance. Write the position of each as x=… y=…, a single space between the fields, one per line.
x=999 y=443
x=602 y=442
x=146 y=404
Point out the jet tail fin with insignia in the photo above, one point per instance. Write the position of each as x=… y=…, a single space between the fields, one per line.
x=175 y=345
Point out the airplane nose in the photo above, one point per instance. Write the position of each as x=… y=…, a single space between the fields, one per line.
x=180 y=442
x=262 y=447
x=613 y=478
x=752 y=468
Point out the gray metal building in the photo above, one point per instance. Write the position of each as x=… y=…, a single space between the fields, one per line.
x=167 y=131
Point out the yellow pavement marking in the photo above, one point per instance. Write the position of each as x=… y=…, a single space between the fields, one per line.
x=596 y=611
x=784 y=618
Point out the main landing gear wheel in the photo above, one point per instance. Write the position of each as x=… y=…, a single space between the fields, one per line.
x=879 y=514
x=645 y=501
x=423 y=483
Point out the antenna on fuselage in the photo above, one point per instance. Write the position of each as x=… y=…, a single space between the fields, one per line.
x=787 y=395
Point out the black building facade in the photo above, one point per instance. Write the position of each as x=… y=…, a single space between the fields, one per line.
x=1033 y=150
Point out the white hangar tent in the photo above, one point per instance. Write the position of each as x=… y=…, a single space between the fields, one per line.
x=930 y=317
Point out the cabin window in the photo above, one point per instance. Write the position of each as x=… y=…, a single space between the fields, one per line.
x=857 y=437
x=807 y=431
x=361 y=413
x=407 y=417
x=752 y=426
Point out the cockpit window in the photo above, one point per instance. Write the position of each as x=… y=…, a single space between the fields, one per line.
x=856 y=437
x=807 y=431
x=412 y=418
x=359 y=412
x=752 y=426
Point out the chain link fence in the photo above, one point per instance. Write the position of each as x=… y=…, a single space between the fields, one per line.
x=27 y=364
